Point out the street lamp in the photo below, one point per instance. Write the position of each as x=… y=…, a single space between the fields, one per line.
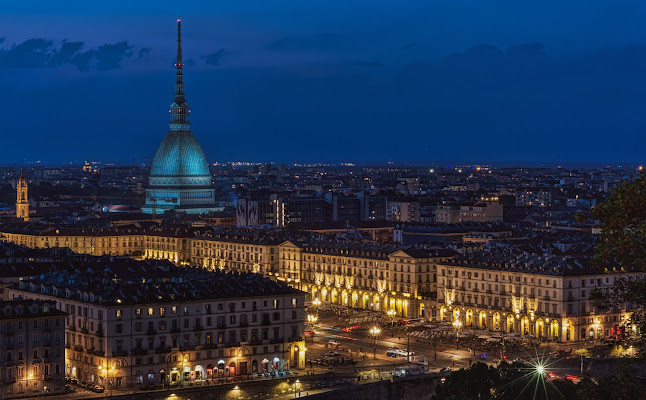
x=312 y=319
x=374 y=332
x=184 y=359
x=391 y=315
x=113 y=377
x=105 y=382
x=457 y=324
x=296 y=386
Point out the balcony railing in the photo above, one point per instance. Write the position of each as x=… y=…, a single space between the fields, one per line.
x=162 y=349
x=139 y=352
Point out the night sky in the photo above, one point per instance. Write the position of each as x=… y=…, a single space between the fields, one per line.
x=327 y=81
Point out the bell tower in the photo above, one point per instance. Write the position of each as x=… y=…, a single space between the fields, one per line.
x=22 y=204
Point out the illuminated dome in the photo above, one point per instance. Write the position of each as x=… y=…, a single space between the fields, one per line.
x=179 y=155
x=179 y=179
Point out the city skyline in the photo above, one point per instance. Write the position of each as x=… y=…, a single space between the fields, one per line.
x=459 y=89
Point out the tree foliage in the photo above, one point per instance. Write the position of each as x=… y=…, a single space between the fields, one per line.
x=514 y=381
x=621 y=246
x=622 y=242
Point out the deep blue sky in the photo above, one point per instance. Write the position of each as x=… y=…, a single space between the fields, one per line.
x=328 y=80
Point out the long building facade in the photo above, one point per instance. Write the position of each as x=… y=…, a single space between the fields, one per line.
x=378 y=278
x=534 y=296
x=152 y=323
x=415 y=282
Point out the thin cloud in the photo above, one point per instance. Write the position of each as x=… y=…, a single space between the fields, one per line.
x=216 y=57
x=43 y=53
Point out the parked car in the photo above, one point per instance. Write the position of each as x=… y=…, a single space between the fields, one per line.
x=332 y=343
x=446 y=369
x=422 y=361
x=332 y=354
x=96 y=388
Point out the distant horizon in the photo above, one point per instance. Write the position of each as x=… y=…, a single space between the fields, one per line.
x=367 y=163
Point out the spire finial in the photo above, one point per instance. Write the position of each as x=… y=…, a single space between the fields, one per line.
x=179 y=109
x=179 y=43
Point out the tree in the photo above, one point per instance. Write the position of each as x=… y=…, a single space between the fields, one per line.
x=626 y=386
x=516 y=381
x=621 y=246
x=622 y=243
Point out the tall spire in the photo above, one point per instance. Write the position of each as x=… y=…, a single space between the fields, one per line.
x=179 y=110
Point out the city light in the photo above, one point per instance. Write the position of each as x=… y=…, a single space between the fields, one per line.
x=374 y=332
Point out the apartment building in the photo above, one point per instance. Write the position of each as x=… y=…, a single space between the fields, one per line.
x=147 y=323
x=508 y=290
x=244 y=250
x=32 y=336
x=371 y=277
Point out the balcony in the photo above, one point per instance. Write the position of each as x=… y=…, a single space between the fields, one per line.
x=174 y=330
x=198 y=328
x=151 y=332
x=139 y=352
x=233 y=344
x=162 y=349
x=120 y=353
x=186 y=348
x=277 y=340
x=78 y=348
x=221 y=326
x=10 y=380
x=295 y=339
x=85 y=330
x=265 y=321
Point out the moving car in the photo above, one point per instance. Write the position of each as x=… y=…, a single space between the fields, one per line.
x=422 y=361
x=332 y=354
x=332 y=343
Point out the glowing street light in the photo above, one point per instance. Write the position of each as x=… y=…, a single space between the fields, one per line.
x=391 y=314
x=374 y=332
x=540 y=369
x=457 y=325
